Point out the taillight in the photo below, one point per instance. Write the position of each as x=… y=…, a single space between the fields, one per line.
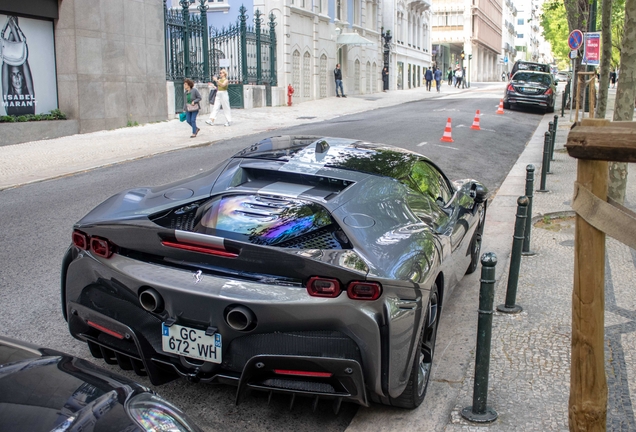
x=303 y=373
x=364 y=290
x=510 y=88
x=101 y=247
x=548 y=91
x=323 y=287
x=80 y=240
x=108 y=331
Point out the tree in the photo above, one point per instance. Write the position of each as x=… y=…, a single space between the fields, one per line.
x=625 y=96
x=606 y=57
x=556 y=30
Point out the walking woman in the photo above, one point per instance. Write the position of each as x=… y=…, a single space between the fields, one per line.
x=222 y=99
x=191 y=106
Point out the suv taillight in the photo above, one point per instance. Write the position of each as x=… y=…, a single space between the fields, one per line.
x=323 y=287
x=364 y=290
x=548 y=91
x=511 y=88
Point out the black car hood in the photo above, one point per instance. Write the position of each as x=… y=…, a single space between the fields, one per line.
x=43 y=390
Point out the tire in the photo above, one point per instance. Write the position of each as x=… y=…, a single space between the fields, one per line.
x=415 y=390
x=550 y=109
x=506 y=105
x=475 y=246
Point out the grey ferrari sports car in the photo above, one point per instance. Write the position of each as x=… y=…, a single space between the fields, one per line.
x=305 y=265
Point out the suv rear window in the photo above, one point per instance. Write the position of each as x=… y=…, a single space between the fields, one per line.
x=528 y=77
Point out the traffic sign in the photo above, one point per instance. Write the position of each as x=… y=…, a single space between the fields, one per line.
x=575 y=39
x=574 y=54
x=505 y=59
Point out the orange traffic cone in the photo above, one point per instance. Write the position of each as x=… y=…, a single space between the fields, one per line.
x=447 y=132
x=476 y=122
x=500 y=109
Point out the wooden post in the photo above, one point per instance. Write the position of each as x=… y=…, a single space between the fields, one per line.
x=588 y=386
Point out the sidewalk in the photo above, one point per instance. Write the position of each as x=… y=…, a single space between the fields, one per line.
x=41 y=160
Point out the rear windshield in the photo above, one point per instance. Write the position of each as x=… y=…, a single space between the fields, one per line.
x=261 y=219
x=538 y=67
x=533 y=78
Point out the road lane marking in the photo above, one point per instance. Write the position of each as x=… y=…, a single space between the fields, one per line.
x=422 y=144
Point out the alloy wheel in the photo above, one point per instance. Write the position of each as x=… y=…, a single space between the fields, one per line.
x=427 y=347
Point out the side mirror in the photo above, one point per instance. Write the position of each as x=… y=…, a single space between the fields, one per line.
x=481 y=194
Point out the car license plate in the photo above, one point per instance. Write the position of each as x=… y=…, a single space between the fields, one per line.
x=189 y=342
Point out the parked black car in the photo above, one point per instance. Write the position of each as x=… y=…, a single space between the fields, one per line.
x=530 y=88
x=302 y=265
x=46 y=390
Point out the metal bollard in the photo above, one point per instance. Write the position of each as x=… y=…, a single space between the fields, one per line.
x=563 y=102
x=554 y=131
x=546 y=157
x=479 y=412
x=528 y=231
x=550 y=126
x=515 y=259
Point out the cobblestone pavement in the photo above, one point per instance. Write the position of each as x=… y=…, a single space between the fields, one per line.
x=529 y=379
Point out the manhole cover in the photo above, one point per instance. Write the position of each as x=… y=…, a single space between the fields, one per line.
x=305 y=118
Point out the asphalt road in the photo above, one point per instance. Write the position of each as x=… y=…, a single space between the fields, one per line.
x=38 y=219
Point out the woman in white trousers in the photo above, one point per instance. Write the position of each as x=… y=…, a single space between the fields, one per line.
x=222 y=99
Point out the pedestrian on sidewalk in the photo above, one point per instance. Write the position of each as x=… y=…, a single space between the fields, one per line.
x=428 y=76
x=337 y=74
x=450 y=75
x=385 y=79
x=613 y=78
x=438 y=79
x=191 y=106
x=458 y=77
x=222 y=99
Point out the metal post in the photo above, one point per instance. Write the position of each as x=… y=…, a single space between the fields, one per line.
x=203 y=8
x=546 y=158
x=185 y=4
x=515 y=258
x=550 y=129
x=272 y=50
x=243 y=40
x=529 y=194
x=480 y=412
x=259 y=67
x=554 y=132
x=563 y=102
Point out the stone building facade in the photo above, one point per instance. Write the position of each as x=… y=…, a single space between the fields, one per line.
x=313 y=36
x=473 y=27
x=411 y=52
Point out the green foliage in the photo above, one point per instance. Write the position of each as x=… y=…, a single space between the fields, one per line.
x=55 y=114
x=556 y=31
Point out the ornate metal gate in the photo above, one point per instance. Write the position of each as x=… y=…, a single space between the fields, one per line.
x=198 y=52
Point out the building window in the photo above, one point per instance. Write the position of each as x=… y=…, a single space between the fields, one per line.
x=339 y=9
x=519 y=35
x=520 y=21
x=357 y=76
x=306 y=75
x=369 y=77
x=323 y=76
x=296 y=72
x=374 y=76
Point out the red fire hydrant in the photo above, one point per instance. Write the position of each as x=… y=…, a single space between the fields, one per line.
x=290 y=92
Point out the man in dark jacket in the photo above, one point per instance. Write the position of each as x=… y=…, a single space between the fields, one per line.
x=337 y=73
x=428 y=76
x=438 y=79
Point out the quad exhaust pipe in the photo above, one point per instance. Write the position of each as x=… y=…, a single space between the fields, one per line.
x=240 y=318
x=151 y=300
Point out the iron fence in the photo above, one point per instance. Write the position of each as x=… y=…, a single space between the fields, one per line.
x=197 y=51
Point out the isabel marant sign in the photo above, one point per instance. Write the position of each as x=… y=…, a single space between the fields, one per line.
x=27 y=53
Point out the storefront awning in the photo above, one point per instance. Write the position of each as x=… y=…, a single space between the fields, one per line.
x=352 y=39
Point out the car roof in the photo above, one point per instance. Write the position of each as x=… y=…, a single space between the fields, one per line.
x=308 y=155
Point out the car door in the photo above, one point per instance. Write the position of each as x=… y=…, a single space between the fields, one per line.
x=448 y=220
